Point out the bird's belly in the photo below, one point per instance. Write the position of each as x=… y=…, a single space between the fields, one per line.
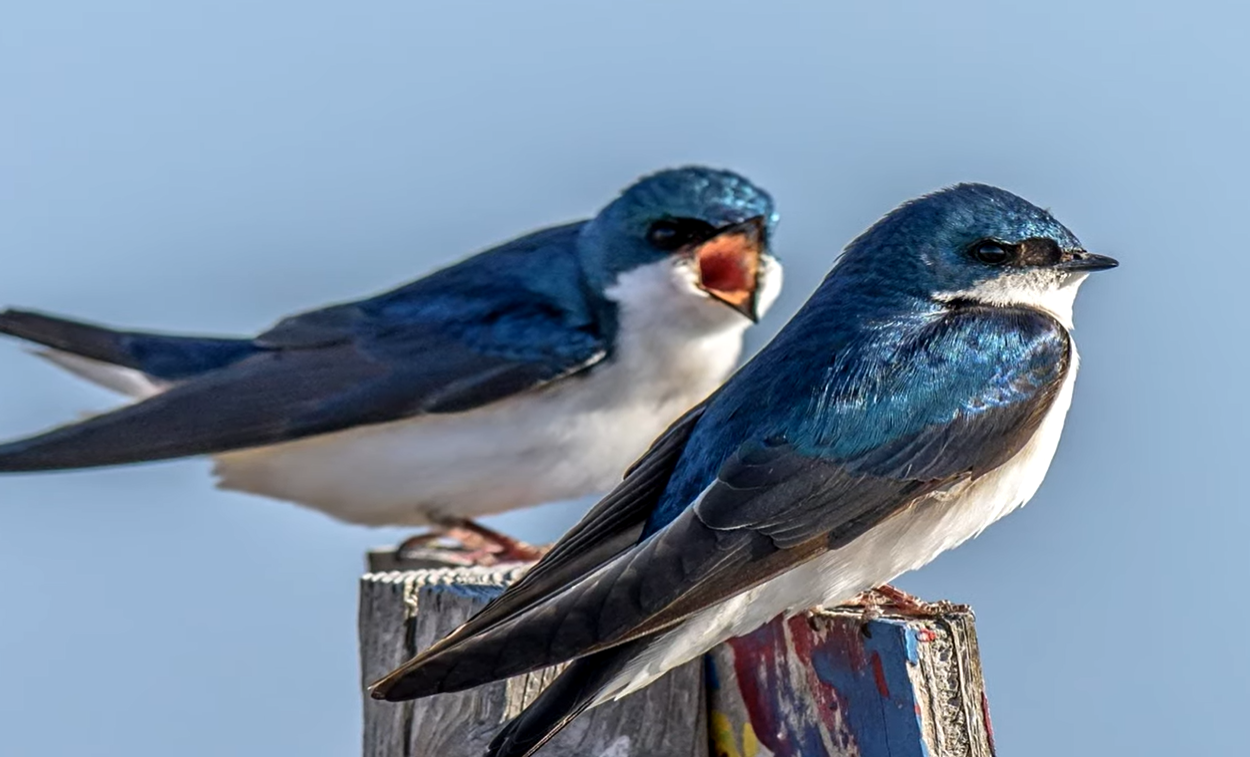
x=906 y=541
x=544 y=447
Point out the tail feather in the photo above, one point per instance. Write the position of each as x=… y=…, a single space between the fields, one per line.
x=117 y=378
x=83 y=339
x=573 y=692
x=161 y=356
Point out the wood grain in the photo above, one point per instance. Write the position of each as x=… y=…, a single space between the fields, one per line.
x=404 y=612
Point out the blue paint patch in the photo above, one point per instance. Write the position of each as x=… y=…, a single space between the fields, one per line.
x=870 y=677
x=896 y=643
x=913 y=644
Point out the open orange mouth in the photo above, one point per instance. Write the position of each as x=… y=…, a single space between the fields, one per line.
x=728 y=265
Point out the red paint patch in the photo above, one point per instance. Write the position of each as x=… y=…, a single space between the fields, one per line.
x=925 y=635
x=841 y=641
x=989 y=726
x=758 y=660
x=812 y=637
x=767 y=681
x=878 y=675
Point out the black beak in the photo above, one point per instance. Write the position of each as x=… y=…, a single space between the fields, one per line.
x=729 y=264
x=754 y=227
x=1087 y=261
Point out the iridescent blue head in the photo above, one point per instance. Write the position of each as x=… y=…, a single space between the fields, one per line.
x=972 y=242
x=710 y=226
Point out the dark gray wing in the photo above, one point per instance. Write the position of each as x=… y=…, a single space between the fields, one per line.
x=328 y=371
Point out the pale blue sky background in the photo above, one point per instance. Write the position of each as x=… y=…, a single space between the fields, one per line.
x=212 y=166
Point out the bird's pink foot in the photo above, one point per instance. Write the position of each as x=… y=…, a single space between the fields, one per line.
x=895 y=598
x=493 y=545
x=471 y=544
x=887 y=598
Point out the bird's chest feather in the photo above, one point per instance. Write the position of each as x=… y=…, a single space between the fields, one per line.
x=915 y=536
x=572 y=438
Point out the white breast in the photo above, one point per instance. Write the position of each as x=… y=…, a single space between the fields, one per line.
x=906 y=541
x=571 y=439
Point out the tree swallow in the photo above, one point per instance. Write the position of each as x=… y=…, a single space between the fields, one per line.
x=915 y=399
x=529 y=373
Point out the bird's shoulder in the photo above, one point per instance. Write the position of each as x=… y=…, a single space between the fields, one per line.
x=541 y=267
x=524 y=297
x=964 y=360
x=892 y=375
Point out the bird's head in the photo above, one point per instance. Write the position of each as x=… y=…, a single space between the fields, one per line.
x=700 y=231
x=974 y=242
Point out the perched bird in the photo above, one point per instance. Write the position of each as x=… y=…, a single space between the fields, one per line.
x=532 y=372
x=915 y=399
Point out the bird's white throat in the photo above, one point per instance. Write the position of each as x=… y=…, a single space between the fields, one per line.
x=1048 y=290
x=666 y=297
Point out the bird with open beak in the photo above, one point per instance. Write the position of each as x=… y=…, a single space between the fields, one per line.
x=728 y=265
x=532 y=372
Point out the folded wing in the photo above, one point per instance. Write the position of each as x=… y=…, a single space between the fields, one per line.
x=462 y=338
x=789 y=492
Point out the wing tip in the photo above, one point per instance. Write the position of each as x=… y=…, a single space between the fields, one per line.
x=377 y=693
x=403 y=684
x=21 y=456
x=385 y=689
x=11 y=313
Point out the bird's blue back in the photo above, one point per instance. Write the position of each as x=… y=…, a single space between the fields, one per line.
x=522 y=299
x=537 y=296
x=504 y=296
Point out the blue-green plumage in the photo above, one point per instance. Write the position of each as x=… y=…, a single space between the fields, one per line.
x=917 y=397
x=874 y=399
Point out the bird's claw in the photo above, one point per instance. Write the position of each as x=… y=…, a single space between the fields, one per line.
x=887 y=598
x=464 y=542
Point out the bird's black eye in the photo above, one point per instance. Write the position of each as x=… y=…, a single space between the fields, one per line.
x=674 y=233
x=990 y=252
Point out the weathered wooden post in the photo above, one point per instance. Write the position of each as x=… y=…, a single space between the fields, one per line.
x=823 y=684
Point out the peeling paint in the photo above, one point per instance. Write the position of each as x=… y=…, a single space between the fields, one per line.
x=816 y=685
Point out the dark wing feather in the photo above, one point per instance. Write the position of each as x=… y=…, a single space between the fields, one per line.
x=573 y=691
x=773 y=505
x=459 y=339
x=167 y=357
x=682 y=569
x=282 y=395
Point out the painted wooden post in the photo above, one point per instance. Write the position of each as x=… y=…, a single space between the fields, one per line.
x=822 y=684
